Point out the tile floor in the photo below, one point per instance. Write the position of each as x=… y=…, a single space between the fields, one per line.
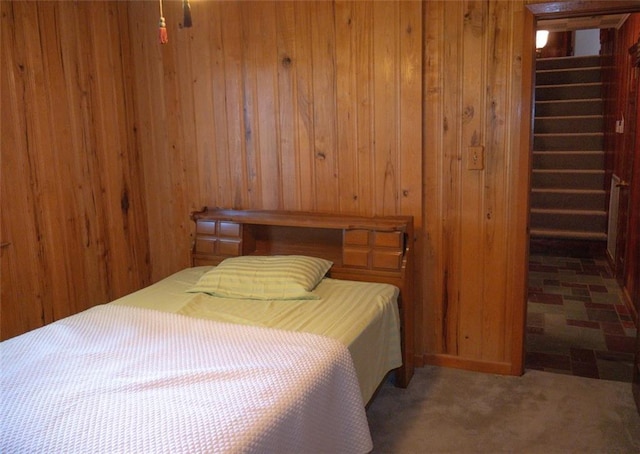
x=577 y=322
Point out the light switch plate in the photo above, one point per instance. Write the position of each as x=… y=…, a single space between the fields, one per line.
x=475 y=158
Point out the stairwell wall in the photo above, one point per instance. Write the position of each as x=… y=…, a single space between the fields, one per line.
x=623 y=149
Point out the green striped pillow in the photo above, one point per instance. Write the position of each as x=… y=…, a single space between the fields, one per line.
x=276 y=277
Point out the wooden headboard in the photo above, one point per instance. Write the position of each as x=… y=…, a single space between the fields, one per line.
x=372 y=249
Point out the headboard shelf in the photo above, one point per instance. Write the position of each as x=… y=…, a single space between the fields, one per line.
x=305 y=219
x=374 y=249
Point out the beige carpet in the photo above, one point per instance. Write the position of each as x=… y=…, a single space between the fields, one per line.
x=454 y=411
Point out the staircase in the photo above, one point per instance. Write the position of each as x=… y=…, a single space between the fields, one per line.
x=568 y=200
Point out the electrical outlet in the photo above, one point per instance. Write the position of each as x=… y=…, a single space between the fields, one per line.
x=475 y=158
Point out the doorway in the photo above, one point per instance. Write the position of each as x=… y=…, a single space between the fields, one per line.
x=576 y=318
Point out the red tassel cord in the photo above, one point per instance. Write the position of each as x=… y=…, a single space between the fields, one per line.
x=162 y=32
x=162 y=27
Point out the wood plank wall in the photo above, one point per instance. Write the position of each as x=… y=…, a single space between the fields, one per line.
x=277 y=105
x=73 y=212
x=478 y=79
x=353 y=107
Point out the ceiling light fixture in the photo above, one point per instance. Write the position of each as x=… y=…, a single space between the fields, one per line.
x=541 y=38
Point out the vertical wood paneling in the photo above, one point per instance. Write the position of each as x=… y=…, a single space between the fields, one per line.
x=305 y=130
x=385 y=72
x=449 y=126
x=363 y=97
x=287 y=107
x=434 y=274
x=325 y=150
x=232 y=37
x=297 y=105
x=347 y=109
x=292 y=105
x=20 y=185
x=250 y=99
x=475 y=229
x=267 y=95
x=472 y=182
x=410 y=107
x=495 y=204
x=187 y=117
x=207 y=82
x=72 y=208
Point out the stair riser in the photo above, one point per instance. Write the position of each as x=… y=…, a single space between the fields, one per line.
x=566 y=88
x=568 y=125
x=568 y=108
x=573 y=236
x=561 y=180
x=569 y=221
x=586 y=91
x=560 y=160
x=568 y=76
x=568 y=201
x=570 y=62
x=568 y=143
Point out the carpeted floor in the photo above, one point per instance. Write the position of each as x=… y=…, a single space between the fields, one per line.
x=453 y=411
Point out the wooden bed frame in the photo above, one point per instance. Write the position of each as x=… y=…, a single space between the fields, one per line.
x=372 y=249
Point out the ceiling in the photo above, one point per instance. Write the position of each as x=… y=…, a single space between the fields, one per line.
x=582 y=23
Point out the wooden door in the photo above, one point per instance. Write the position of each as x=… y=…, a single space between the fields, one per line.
x=626 y=170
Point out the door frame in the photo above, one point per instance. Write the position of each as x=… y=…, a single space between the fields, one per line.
x=534 y=12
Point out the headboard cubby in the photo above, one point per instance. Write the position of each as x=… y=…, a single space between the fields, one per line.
x=373 y=249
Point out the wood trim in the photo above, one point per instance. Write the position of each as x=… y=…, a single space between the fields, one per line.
x=457 y=362
x=578 y=8
x=518 y=252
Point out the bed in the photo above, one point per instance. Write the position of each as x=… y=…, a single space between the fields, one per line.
x=179 y=367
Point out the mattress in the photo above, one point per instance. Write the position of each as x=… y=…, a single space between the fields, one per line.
x=120 y=379
x=362 y=316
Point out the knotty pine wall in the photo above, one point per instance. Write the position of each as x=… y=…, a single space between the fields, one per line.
x=478 y=93
x=277 y=105
x=72 y=206
x=354 y=107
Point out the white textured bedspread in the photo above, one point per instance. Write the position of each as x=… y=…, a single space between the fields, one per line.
x=120 y=379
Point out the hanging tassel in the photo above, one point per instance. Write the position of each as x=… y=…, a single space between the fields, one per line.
x=162 y=28
x=186 y=10
x=162 y=32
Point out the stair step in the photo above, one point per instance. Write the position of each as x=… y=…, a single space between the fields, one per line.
x=568 y=196
x=569 y=199
x=568 y=62
x=569 y=91
x=568 y=75
x=569 y=107
x=568 y=142
x=567 y=234
x=566 y=124
x=567 y=179
x=587 y=160
x=569 y=220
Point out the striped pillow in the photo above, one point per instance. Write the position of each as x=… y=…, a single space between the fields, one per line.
x=276 y=277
